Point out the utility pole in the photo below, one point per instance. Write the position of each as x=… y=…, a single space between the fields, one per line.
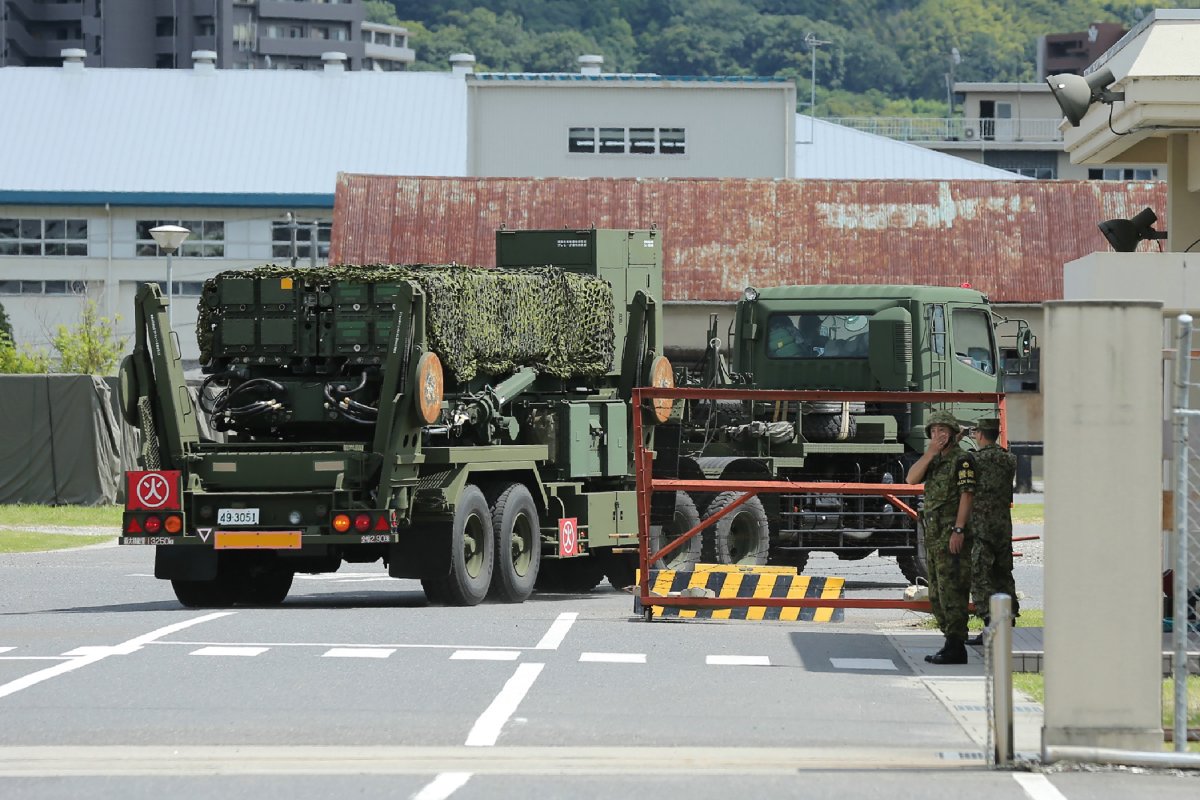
x=955 y=59
x=813 y=43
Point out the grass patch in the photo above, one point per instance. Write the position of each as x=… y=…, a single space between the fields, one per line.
x=41 y=516
x=17 y=541
x=1033 y=686
x=1030 y=618
x=1029 y=513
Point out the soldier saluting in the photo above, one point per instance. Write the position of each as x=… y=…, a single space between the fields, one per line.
x=949 y=477
x=991 y=521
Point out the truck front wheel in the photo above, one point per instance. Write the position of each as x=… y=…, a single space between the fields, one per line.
x=914 y=566
x=740 y=537
x=518 y=546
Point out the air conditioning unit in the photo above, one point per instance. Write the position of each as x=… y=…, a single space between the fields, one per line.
x=969 y=132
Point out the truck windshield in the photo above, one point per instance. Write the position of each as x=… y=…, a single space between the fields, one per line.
x=973 y=339
x=813 y=335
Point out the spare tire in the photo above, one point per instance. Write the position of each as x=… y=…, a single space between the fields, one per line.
x=826 y=427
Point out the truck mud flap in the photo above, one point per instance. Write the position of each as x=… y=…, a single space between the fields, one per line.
x=185 y=563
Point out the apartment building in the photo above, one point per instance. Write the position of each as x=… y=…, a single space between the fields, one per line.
x=162 y=34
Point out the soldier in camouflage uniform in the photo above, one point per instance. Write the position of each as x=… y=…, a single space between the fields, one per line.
x=991 y=521
x=949 y=477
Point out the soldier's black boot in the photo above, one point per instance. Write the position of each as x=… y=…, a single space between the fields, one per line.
x=977 y=639
x=955 y=652
x=932 y=656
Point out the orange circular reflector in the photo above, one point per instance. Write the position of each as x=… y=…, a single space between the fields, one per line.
x=173 y=524
x=341 y=523
x=429 y=388
x=662 y=376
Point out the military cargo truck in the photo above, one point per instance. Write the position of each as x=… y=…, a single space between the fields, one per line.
x=471 y=428
x=860 y=338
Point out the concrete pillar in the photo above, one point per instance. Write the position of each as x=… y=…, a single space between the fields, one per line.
x=1182 y=220
x=1102 y=378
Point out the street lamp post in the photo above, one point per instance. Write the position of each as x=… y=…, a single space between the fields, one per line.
x=169 y=238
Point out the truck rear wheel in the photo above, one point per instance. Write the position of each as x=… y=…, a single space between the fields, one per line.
x=266 y=587
x=685 y=518
x=518 y=544
x=472 y=553
x=741 y=537
x=216 y=593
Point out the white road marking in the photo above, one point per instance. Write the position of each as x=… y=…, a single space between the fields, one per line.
x=863 y=663
x=485 y=655
x=6 y=649
x=487 y=728
x=229 y=651
x=558 y=631
x=1037 y=787
x=131 y=646
x=357 y=652
x=738 y=661
x=614 y=658
x=443 y=786
x=341 y=576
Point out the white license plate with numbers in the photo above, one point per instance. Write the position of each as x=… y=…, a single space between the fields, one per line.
x=237 y=516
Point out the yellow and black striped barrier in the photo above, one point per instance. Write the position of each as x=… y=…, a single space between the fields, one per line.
x=725 y=580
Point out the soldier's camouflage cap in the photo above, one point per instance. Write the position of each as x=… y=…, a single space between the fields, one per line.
x=942 y=418
x=988 y=424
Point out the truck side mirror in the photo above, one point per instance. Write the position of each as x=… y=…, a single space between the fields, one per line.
x=1025 y=343
x=890 y=350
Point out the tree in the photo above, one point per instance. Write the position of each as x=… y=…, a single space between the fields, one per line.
x=91 y=347
x=13 y=361
x=381 y=11
x=5 y=325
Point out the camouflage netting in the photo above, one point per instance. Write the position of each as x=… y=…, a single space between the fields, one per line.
x=482 y=320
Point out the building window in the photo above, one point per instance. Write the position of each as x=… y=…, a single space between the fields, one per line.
x=43 y=287
x=581 y=140
x=281 y=240
x=43 y=237
x=1119 y=174
x=671 y=141
x=188 y=288
x=164 y=26
x=612 y=140
x=207 y=238
x=641 y=140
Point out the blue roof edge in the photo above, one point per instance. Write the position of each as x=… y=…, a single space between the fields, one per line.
x=199 y=199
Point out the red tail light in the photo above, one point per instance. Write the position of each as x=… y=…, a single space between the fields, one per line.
x=152 y=524
x=362 y=523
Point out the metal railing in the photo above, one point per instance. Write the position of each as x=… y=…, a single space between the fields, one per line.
x=1185 y=585
x=956 y=129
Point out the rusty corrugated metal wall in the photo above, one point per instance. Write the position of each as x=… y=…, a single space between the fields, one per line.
x=1008 y=239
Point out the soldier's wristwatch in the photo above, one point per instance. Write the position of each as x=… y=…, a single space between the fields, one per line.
x=958 y=529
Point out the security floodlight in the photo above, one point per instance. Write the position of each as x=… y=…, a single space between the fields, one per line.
x=1124 y=234
x=169 y=238
x=1075 y=93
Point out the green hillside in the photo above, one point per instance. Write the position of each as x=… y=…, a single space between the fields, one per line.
x=883 y=56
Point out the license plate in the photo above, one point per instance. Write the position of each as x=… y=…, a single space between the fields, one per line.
x=237 y=516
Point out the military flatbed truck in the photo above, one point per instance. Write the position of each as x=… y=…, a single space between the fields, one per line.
x=471 y=428
x=858 y=338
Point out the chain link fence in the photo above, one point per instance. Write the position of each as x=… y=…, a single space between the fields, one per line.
x=1181 y=582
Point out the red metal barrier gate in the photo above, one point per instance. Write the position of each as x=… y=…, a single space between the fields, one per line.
x=647 y=484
